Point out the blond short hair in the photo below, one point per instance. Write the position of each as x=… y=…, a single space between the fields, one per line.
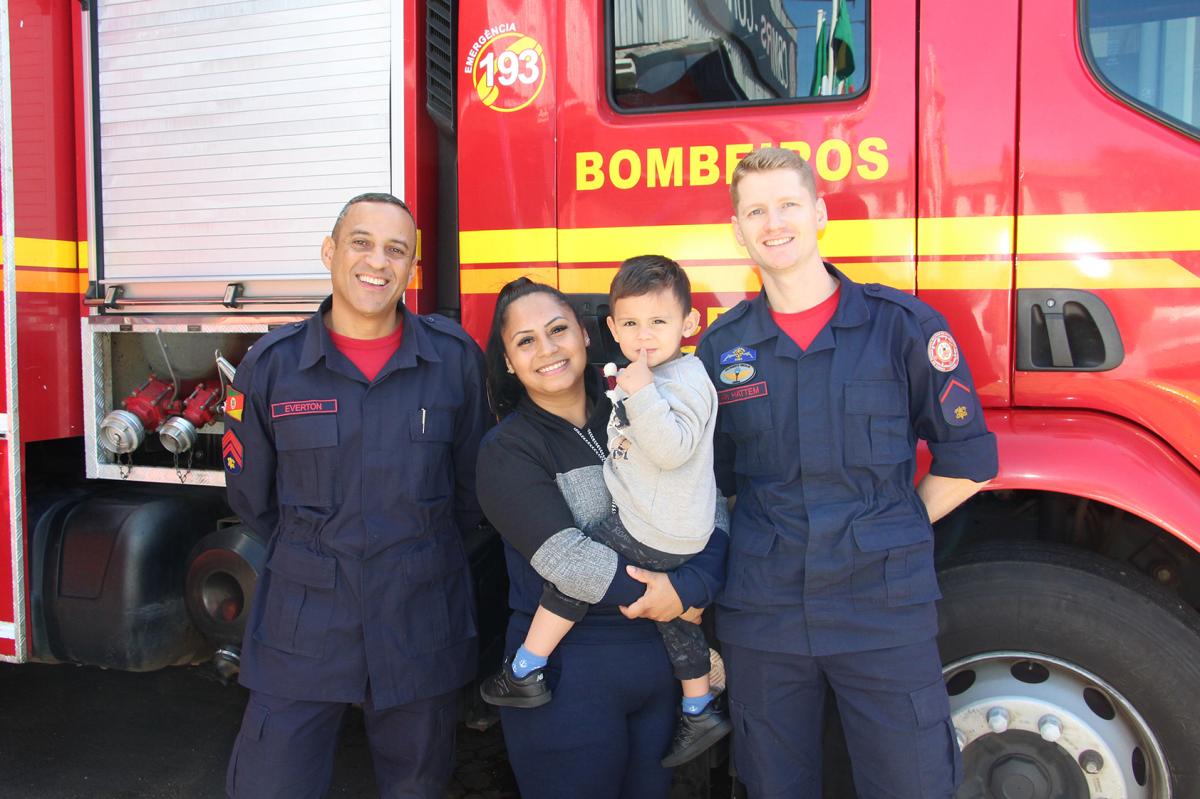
x=770 y=158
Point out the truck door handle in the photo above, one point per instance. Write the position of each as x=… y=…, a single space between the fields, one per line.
x=1066 y=330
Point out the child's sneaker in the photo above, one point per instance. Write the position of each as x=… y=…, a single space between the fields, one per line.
x=696 y=733
x=507 y=690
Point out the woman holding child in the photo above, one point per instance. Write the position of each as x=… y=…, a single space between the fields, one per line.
x=589 y=704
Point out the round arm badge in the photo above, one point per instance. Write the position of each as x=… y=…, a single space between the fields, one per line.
x=943 y=351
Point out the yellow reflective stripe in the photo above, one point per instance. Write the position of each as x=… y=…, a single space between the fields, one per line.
x=490 y=281
x=82 y=260
x=55 y=282
x=52 y=253
x=1093 y=272
x=973 y=235
x=852 y=237
x=968 y=275
x=715 y=279
x=1143 y=231
x=523 y=245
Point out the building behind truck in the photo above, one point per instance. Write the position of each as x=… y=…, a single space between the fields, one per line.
x=1029 y=169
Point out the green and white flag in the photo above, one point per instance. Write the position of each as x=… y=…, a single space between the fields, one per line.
x=820 y=56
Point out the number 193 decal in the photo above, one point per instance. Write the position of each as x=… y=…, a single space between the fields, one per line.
x=509 y=71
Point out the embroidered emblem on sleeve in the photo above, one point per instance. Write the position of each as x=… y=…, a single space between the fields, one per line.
x=235 y=403
x=231 y=452
x=943 y=351
x=957 y=403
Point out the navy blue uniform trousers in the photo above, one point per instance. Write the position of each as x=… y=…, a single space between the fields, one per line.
x=285 y=747
x=893 y=707
x=608 y=726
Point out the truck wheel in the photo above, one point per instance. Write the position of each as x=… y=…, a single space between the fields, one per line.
x=1069 y=676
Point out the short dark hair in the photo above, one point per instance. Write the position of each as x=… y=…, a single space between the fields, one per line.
x=504 y=389
x=643 y=274
x=370 y=197
x=767 y=159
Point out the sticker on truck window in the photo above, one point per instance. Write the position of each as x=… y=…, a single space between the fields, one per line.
x=507 y=67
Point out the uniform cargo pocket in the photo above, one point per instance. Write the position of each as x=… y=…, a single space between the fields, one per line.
x=936 y=745
x=299 y=601
x=893 y=561
x=429 y=473
x=877 y=427
x=306 y=449
x=435 y=598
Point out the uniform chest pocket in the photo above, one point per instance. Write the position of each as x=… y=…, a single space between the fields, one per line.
x=306 y=448
x=877 y=427
x=749 y=423
x=429 y=471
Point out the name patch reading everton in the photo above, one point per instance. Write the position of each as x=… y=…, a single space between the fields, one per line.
x=740 y=393
x=303 y=408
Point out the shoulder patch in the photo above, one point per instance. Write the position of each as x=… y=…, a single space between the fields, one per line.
x=958 y=403
x=943 y=351
x=231 y=452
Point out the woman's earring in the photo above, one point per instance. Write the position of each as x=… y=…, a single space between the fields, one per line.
x=509 y=367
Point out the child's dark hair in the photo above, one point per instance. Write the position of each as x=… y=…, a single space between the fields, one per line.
x=643 y=274
x=504 y=389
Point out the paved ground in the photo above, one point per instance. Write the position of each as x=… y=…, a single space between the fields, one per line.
x=84 y=733
x=72 y=732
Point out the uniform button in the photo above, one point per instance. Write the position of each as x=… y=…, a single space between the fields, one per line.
x=427 y=319
x=873 y=288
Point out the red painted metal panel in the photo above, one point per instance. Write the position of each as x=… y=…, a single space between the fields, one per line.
x=8 y=580
x=1102 y=458
x=43 y=81
x=420 y=156
x=506 y=165
x=1085 y=152
x=875 y=131
x=967 y=108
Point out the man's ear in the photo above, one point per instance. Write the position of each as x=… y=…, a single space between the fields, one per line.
x=327 y=248
x=822 y=214
x=737 y=230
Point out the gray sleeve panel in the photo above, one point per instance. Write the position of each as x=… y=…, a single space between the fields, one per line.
x=578 y=566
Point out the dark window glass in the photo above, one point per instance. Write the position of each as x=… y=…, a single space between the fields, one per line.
x=707 y=52
x=1149 y=54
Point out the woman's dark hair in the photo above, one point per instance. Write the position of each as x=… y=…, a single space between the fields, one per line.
x=504 y=389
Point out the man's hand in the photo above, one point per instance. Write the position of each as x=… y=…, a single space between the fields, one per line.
x=636 y=375
x=660 y=602
x=692 y=615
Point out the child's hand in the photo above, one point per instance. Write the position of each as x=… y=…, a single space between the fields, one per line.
x=635 y=376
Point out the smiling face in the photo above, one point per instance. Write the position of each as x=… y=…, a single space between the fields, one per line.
x=777 y=220
x=370 y=258
x=545 y=347
x=654 y=322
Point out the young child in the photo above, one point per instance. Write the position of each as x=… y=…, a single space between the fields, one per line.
x=659 y=471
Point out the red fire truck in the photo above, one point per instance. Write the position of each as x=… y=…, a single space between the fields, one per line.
x=1030 y=169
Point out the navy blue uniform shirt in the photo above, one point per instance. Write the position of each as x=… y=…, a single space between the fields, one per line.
x=831 y=549
x=364 y=490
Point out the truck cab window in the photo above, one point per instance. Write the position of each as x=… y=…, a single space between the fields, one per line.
x=687 y=53
x=1148 y=54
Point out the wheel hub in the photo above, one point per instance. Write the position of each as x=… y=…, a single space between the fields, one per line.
x=1034 y=727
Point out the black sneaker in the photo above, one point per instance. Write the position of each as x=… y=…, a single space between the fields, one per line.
x=507 y=690
x=697 y=733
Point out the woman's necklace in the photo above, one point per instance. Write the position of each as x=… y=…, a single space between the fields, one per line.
x=591 y=441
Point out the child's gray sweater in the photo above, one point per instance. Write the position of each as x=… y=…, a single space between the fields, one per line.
x=660 y=464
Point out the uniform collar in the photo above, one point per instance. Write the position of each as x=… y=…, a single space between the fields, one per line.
x=414 y=343
x=851 y=311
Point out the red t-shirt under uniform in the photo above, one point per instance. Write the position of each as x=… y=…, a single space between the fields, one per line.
x=369 y=354
x=804 y=326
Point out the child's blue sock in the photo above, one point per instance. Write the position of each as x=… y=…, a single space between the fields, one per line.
x=525 y=661
x=694 y=705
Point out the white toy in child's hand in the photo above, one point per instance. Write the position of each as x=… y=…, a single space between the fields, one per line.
x=610 y=381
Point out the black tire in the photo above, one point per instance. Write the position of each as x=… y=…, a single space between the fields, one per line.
x=1097 y=615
